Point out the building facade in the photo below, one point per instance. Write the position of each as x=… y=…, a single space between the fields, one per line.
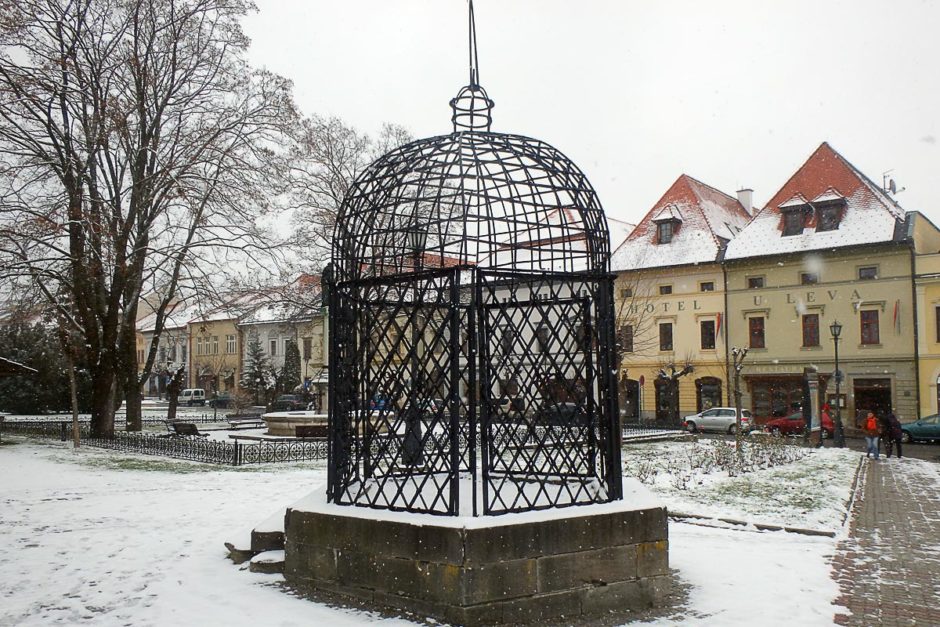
x=829 y=246
x=670 y=303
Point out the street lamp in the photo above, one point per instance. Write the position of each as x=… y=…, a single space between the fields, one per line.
x=412 y=450
x=836 y=330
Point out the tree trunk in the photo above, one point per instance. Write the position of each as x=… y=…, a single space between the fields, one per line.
x=102 y=402
x=132 y=398
x=172 y=391
x=73 y=389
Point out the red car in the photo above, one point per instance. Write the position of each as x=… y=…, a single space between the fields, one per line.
x=794 y=424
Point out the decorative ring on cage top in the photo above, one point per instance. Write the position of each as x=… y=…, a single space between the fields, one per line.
x=472 y=109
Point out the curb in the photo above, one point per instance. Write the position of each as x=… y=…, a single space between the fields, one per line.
x=759 y=526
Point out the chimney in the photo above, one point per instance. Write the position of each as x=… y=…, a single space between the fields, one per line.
x=746 y=198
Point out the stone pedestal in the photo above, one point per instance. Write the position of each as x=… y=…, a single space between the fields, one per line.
x=514 y=568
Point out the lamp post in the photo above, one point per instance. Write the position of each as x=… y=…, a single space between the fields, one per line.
x=412 y=450
x=839 y=440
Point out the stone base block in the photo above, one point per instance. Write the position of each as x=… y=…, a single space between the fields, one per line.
x=526 y=569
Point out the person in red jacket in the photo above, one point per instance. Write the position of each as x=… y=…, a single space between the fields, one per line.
x=872 y=429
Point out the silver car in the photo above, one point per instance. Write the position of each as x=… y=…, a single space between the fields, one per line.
x=719 y=419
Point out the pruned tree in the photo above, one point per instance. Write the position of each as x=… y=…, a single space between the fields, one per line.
x=137 y=152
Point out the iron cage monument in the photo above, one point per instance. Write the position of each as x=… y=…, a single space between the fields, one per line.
x=474 y=443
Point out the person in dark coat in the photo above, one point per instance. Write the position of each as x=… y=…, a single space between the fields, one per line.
x=892 y=434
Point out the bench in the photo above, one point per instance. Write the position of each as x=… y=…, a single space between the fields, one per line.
x=187 y=429
x=311 y=431
x=245 y=421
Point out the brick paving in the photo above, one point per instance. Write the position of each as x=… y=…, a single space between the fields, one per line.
x=888 y=566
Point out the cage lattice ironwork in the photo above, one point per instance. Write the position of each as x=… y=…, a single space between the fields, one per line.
x=472 y=343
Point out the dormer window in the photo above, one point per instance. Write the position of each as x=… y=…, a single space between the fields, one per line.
x=667 y=223
x=665 y=231
x=793 y=221
x=827 y=218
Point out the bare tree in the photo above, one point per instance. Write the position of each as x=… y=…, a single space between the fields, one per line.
x=328 y=156
x=137 y=152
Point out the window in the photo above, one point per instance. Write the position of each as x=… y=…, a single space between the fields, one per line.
x=828 y=219
x=664 y=232
x=937 y=314
x=869 y=321
x=867 y=273
x=272 y=344
x=809 y=278
x=162 y=358
x=542 y=338
x=626 y=338
x=707 y=286
x=665 y=290
x=199 y=346
x=183 y=353
x=811 y=330
x=708 y=334
x=307 y=344
x=626 y=292
x=755 y=327
x=230 y=344
x=507 y=339
x=171 y=355
x=215 y=346
x=665 y=336
x=793 y=222
x=755 y=282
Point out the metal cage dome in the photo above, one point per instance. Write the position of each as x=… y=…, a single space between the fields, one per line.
x=471 y=328
x=471 y=198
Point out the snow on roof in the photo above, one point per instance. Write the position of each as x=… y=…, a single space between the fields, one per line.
x=177 y=317
x=618 y=231
x=669 y=212
x=829 y=194
x=708 y=217
x=869 y=215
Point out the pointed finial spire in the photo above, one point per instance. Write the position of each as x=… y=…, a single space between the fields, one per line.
x=472 y=107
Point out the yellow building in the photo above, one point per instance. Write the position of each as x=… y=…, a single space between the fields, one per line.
x=670 y=302
x=927 y=295
x=830 y=245
x=215 y=349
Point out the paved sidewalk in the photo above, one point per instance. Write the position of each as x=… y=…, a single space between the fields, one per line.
x=888 y=568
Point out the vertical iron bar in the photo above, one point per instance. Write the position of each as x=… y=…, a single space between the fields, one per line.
x=454 y=397
x=608 y=359
x=481 y=353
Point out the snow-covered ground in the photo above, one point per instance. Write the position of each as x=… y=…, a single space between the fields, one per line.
x=92 y=536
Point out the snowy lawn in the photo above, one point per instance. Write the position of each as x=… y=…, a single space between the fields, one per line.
x=93 y=536
x=810 y=492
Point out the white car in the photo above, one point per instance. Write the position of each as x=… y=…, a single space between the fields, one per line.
x=720 y=419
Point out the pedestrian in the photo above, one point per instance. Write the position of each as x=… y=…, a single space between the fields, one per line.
x=871 y=428
x=893 y=435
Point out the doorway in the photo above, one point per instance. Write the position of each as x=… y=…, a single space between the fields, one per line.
x=872 y=395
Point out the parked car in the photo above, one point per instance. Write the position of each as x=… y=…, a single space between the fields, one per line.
x=718 y=419
x=287 y=402
x=927 y=428
x=562 y=415
x=223 y=400
x=191 y=396
x=795 y=424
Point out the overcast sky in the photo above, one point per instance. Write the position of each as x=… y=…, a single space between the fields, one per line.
x=636 y=93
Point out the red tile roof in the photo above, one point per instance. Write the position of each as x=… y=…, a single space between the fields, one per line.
x=708 y=218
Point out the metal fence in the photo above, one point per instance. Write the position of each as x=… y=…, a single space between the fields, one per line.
x=191 y=448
